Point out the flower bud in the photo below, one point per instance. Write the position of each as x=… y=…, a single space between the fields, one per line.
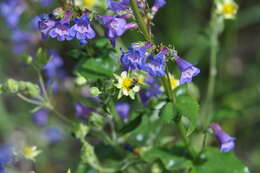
x=12 y=85
x=32 y=90
x=156 y=168
x=80 y=80
x=81 y=130
x=58 y=13
x=96 y=120
x=94 y=91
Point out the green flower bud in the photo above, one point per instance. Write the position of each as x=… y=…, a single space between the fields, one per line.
x=94 y=91
x=32 y=89
x=81 y=130
x=80 y=80
x=28 y=59
x=58 y=12
x=156 y=168
x=12 y=86
x=88 y=155
x=96 y=120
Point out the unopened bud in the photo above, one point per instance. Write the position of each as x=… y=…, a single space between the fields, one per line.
x=96 y=120
x=94 y=91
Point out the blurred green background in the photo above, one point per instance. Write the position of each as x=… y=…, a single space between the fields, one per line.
x=182 y=23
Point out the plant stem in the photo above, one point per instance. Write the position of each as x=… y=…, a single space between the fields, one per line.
x=21 y=96
x=140 y=20
x=165 y=80
x=44 y=90
x=184 y=138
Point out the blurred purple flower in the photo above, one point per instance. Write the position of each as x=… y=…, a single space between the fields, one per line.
x=135 y=57
x=157 y=5
x=41 y=117
x=52 y=68
x=21 y=40
x=123 y=110
x=115 y=27
x=117 y=6
x=11 y=10
x=82 y=111
x=226 y=142
x=82 y=29
x=46 y=3
x=156 y=66
x=6 y=156
x=53 y=134
x=188 y=70
x=46 y=23
x=154 y=90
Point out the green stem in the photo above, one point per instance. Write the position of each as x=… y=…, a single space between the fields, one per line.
x=140 y=20
x=28 y=99
x=58 y=114
x=184 y=138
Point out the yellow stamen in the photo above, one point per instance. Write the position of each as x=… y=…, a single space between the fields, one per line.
x=126 y=83
x=88 y=3
x=229 y=8
x=174 y=82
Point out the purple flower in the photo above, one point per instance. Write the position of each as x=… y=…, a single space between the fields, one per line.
x=123 y=110
x=6 y=156
x=22 y=40
x=46 y=23
x=82 y=111
x=53 y=134
x=157 y=5
x=135 y=57
x=156 y=66
x=188 y=70
x=226 y=142
x=82 y=29
x=52 y=68
x=46 y=3
x=61 y=32
x=41 y=117
x=154 y=90
x=12 y=10
x=117 y=6
x=115 y=27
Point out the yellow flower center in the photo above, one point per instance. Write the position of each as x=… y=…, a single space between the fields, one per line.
x=88 y=3
x=174 y=82
x=28 y=151
x=127 y=83
x=229 y=8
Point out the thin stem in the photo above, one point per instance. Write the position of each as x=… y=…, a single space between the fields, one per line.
x=184 y=138
x=140 y=20
x=45 y=93
x=58 y=114
x=21 y=96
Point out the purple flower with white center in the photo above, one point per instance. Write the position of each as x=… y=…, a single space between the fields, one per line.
x=156 y=66
x=123 y=110
x=12 y=10
x=61 y=32
x=82 y=29
x=226 y=142
x=157 y=5
x=82 y=111
x=46 y=3
x=135 y=57
x=41 y=117
x=188 y=70
x=153 y=91
x=115 y=27
x=46 y=23
x=53 y=135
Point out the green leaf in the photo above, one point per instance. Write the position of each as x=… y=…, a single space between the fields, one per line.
x=96 y=68
x=170 y=162
x=132 y=125
x=188 y=107
x=168 y=112
x=181 y=90
x=41 y=58
x=219 y=162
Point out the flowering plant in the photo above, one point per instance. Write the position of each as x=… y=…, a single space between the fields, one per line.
x=135 y=108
